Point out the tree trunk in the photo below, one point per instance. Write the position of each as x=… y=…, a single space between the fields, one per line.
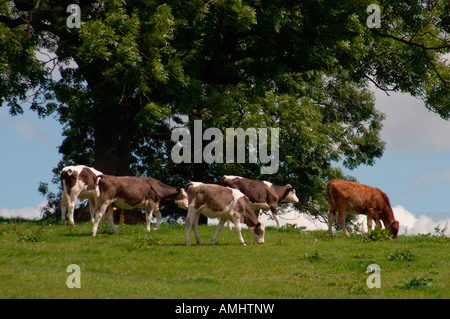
x=113 y=133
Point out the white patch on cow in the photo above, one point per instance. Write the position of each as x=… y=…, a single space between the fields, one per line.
x=291 y=197
x=208 y=212
x=72 y=168
x=196 y=184
x=232 y=177
x=236 y=193
x=79 y=190
x=183 y=202
x=269 y=184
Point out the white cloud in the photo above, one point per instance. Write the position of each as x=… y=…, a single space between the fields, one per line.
x=409 y=126
x=27 y=129
x=413 y=225
x=21 y=126
x=24 y=212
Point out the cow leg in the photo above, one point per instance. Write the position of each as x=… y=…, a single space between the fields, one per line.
x=237 y=225
x=218 y=229
x=158 y=218
x=331 y=216
x=92 y=209
x=110 y=217
x=378 y=223
x=98 y=216
x=370 y=216
x=64 y=207
x=229 y=225
x=275 y=216
x=148 y=217
x=195 y=226
x=71 y=208
x=341 y=218
x=190 y=217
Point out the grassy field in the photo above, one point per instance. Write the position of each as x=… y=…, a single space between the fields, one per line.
x=291 y=264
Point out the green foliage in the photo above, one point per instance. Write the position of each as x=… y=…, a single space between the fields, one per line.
x=401 y=255
x=292 y=228
x=439 y=234
x=145 y=67
x=314 y=257
x=358 y=290
x=418 y=283
x=145 y=242
x=135 y=264
x=32 y=236
x=376 y=234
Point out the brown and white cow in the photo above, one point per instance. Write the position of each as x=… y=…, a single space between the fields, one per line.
x=262 y=194
x=77 y=182
x=133 y=192
x=216 y=201
x=355 y=198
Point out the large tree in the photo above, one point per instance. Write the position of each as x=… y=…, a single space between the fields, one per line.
x=136 y=70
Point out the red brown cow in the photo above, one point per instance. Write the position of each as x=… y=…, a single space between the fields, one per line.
x=134 y=192
x=77 y=182
x=263 y=194
x=216 y=201
x=355 y=198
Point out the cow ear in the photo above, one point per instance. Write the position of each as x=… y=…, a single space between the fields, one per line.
x=289 y=186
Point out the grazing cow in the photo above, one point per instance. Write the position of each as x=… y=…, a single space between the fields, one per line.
x=77 y=182
x=216 y=201
x=356 y=198
x=133 y=192
x=263 y=195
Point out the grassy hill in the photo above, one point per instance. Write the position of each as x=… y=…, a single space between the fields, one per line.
x=291 y=264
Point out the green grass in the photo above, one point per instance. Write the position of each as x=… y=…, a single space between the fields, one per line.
x=291 y=264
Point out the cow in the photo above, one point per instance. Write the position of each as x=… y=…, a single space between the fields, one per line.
x=355 y=198
x=133 y=192
x=216 y=201
x=77 y=182
x=262 y=194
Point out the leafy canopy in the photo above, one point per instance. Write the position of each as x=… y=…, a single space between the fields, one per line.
x=136 y=69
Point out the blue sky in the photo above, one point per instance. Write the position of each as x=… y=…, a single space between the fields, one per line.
x=414 y=170
x=29 y=153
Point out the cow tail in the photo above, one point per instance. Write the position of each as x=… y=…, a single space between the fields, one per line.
x=329 y=189
x=64 y=195
x=330 y=196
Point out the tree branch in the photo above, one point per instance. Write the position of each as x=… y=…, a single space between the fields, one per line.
x=408 y=42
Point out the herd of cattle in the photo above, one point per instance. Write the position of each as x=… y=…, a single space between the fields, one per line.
x=234 y=199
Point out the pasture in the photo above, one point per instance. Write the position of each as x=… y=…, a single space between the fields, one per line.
x=291 y=264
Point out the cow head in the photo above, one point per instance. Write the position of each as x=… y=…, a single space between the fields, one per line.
x=395 y=226
x=182 y=198
x=290 y=197
x=258 y=232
